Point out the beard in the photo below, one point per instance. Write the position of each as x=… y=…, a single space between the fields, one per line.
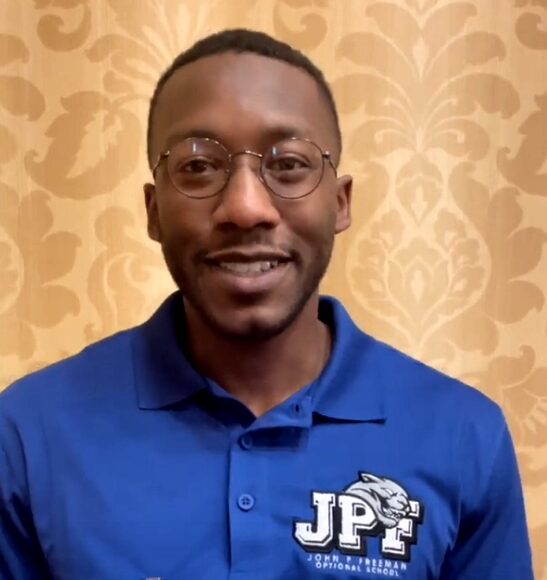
x=257 y=325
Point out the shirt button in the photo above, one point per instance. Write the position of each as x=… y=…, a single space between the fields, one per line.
x=245 y=502
x=246 y=441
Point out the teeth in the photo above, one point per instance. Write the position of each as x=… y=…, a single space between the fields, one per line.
x=249 y=267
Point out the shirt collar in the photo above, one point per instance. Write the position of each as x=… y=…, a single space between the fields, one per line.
x=352 y=385
x=163 y=375
x=350 y=388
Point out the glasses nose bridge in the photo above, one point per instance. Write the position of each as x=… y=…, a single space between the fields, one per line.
x=246 y=198
x=233 y=156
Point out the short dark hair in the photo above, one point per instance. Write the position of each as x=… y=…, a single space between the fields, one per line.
x=240 y=40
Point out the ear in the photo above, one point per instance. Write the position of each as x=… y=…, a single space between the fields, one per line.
x=343 y=198
x=151 y=204
x=369 y=477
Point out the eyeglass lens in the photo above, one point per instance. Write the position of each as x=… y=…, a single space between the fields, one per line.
x=201 y=167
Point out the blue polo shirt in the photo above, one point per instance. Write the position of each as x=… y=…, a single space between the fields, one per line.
x=124 y=463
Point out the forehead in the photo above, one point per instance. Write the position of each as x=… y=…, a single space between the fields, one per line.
x=243 y=100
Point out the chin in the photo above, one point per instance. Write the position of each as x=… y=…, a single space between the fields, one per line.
x=245 y=318
x=249 y=324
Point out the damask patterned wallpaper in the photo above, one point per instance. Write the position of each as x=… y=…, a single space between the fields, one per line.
x=444 y=112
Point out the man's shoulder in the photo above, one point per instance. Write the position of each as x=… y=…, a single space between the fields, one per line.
x=407 y=372
x=414 y=386
x=97 y=364
x=368 y=358
x=366 y=373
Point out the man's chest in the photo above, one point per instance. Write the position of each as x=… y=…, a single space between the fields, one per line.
x=334 y=501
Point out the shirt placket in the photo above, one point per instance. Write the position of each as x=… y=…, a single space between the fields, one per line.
x=252 y=467
x=248 y=509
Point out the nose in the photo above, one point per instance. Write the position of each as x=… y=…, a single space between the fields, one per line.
x=245 y=202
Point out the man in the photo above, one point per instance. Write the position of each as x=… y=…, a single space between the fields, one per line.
x=249 y=430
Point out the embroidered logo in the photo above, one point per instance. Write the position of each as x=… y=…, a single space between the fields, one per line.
x=370 y=507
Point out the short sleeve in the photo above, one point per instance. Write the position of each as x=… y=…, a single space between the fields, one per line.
x=21 y=557
x=492 y=541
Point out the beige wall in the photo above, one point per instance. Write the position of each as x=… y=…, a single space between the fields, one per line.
x=444 y=111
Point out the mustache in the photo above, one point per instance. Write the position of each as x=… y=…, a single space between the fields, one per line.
x=248 y=240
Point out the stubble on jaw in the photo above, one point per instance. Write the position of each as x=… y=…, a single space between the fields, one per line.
x=255 y=330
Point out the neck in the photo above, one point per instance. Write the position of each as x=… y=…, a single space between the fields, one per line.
x=261 y=374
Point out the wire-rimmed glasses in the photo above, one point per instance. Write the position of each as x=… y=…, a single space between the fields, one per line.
x=200 y=167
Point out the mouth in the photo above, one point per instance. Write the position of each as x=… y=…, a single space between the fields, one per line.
x=248 y=270
x=248 y=261
x=255 y=268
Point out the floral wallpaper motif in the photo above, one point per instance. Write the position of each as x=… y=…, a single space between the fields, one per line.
x=443 y=107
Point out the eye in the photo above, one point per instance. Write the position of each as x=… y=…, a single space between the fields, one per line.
x=287 y=163
x=197 y=166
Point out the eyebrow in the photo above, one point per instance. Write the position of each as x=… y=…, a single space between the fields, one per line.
x=272 y=134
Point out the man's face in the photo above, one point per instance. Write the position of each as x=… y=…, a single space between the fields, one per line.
x=246 y=261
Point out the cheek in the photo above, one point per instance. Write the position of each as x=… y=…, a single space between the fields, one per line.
x=315 y=221
x=181 y=221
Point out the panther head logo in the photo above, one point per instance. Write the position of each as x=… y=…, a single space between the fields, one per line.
x=387 y=499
